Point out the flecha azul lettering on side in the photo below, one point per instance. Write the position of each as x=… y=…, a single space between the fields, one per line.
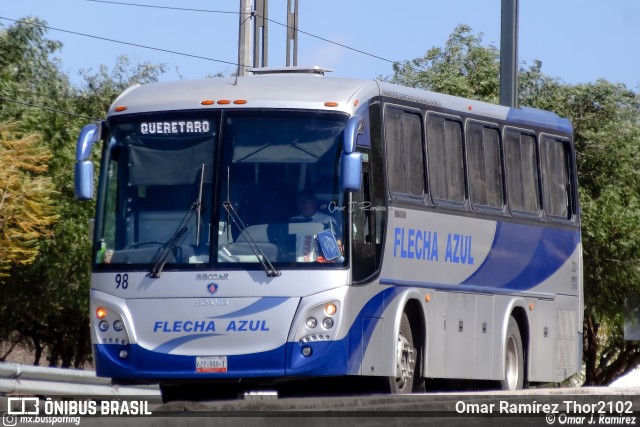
x=458 y=249
x=415 y=244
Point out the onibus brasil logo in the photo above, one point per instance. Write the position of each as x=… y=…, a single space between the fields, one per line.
x=33 y=410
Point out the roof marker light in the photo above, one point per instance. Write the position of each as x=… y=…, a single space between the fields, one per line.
x=224 y=102
x=120 y=108
x=207 y=102
x=330 y=104
x=240 y=101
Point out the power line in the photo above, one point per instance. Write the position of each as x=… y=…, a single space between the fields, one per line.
x=253 y=14
x=123 y=42
x=329 y=41
x=53 y=110
x=163 y=7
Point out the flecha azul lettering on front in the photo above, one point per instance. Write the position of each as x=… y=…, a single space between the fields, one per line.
x=185 y=326
x=174 y=127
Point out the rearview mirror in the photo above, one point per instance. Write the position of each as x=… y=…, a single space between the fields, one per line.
x=83 y=171
x=354 y=127
x=351 y=172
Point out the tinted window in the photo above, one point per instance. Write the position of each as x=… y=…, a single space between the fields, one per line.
x=405 y=164
x=522 y=173
x=485 y=170
x=555 y=174
x=446 y=167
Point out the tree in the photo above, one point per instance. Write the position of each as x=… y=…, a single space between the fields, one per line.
x=26 y=199
x=606 y=120
x=37 y=97
x=464 y=68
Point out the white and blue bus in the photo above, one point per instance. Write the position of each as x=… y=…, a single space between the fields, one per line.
x=441 y=238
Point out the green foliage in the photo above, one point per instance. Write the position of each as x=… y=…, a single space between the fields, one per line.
x=463 y=68
x=606 y=120
x=45 y=303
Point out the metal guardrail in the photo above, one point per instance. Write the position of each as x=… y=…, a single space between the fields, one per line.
x=37 y=380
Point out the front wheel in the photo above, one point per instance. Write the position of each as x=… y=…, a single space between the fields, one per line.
x=406 y=356
x=514 y=358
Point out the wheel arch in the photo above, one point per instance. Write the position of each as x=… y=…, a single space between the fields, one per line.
x=519 y=313
x=413 y=303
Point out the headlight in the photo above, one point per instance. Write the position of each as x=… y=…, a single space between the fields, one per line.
x=118 y=325
x=311 y=322
x=327 y=323
x=314 y=330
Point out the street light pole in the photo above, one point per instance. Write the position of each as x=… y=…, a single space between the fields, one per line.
x=509 y=54
x=244 y=40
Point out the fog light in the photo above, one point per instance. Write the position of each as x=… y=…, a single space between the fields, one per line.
x=311 y=322
x=306 y=351
x=327 y=323
x=123 y=354
x=103 y=326
x=118 y=325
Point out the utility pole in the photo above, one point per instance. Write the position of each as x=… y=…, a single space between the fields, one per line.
x=244 y=39
x=261 y=34
x=509 y=54
x=292 y=33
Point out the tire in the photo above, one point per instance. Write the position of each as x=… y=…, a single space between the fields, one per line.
x=514 y=358
x=405 y=356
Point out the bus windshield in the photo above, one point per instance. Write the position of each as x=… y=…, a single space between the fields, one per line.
x=228 y=190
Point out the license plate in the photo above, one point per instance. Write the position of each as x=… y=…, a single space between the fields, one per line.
x=211 y=364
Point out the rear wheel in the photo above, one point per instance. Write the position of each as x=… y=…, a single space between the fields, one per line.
x=514 y=358
x=406 y=356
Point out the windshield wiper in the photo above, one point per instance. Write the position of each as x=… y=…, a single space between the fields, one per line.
x=262 y=258
x=180 y=231
x=168 y=248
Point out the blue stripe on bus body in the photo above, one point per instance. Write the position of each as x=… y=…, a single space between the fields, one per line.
x=523 y=256
x=329 y=358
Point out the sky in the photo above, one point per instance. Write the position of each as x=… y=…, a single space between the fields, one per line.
x=578 y=41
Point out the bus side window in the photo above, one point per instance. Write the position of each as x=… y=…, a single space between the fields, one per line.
x=484 y=166
x=405 y=164
x=446 y=165
x=555 y=176
x=522 y=172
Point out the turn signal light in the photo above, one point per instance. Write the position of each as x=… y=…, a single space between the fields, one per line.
x=330 y=309
x=101 y=313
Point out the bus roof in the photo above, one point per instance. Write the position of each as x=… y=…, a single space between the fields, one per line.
x=311 y=91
